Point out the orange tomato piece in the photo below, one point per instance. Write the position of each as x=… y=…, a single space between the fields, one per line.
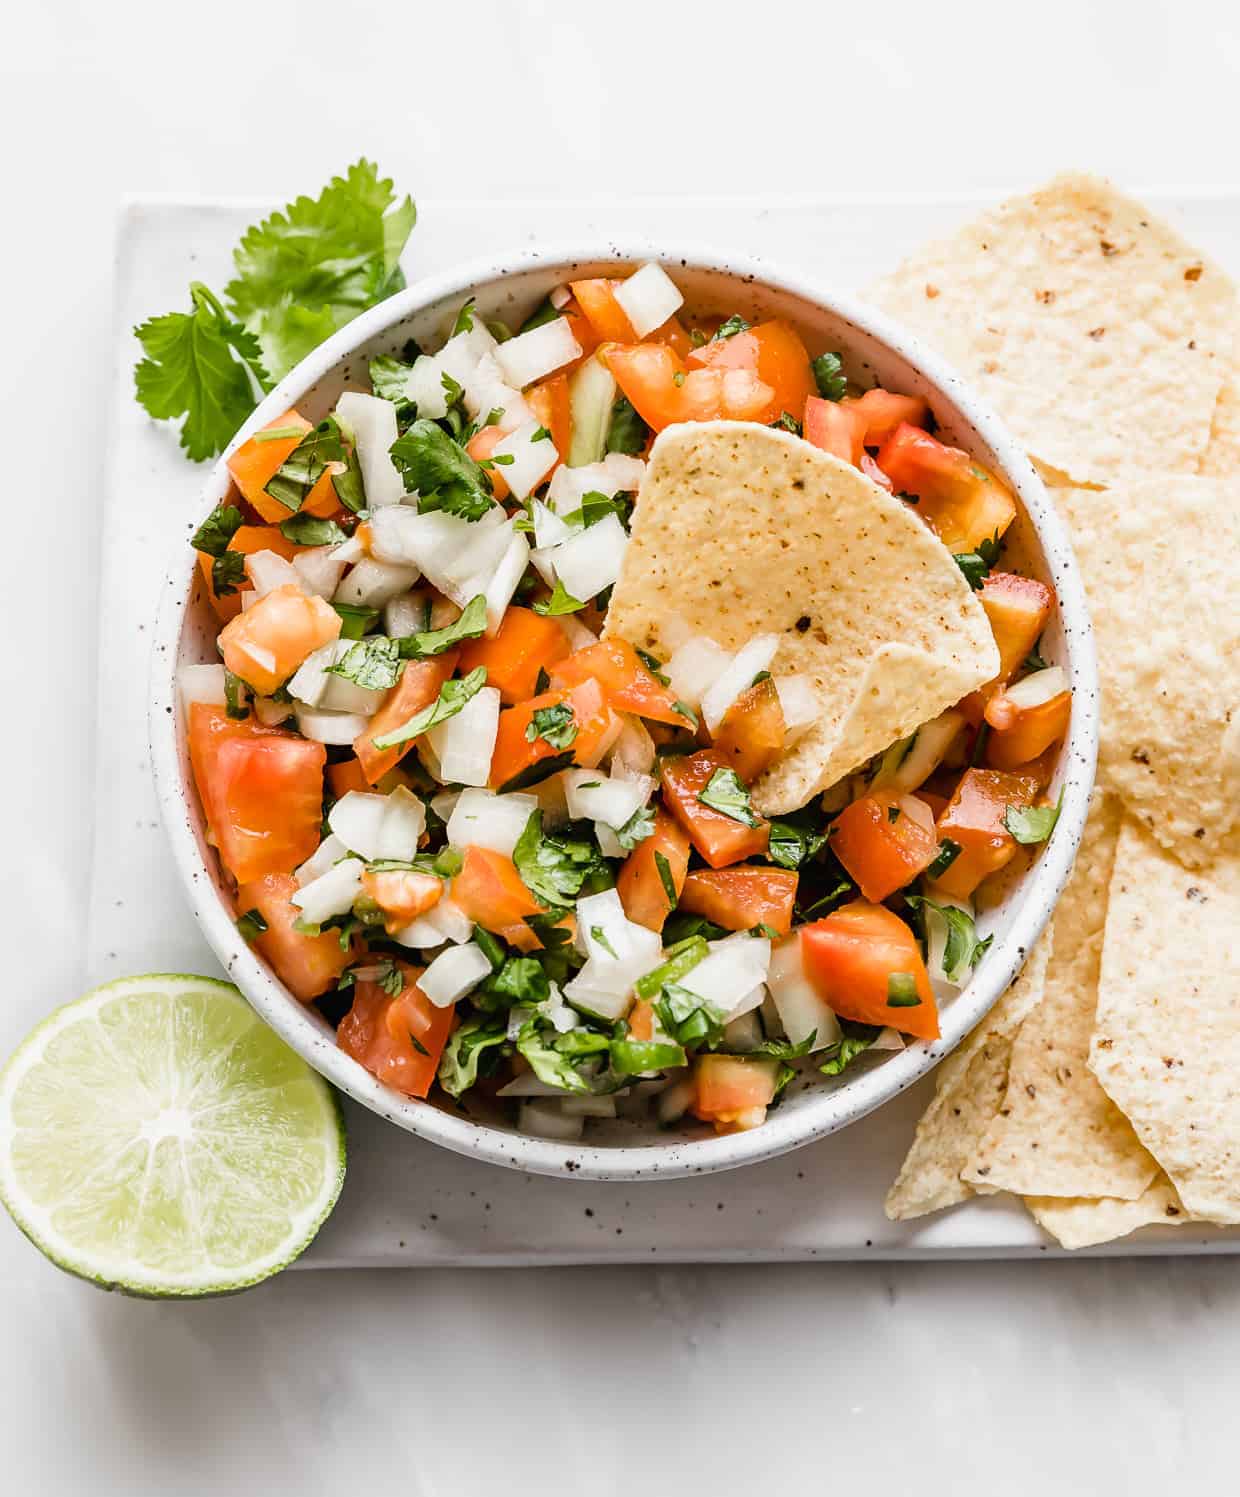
x=850 y=956
x=490 y=890
x=718 y=838
x=398 y=1039
x=627 y=681
x=480 y=447
x=751 y=735
x=961 y=501
x=834 y=429
x=345 y=776
x=265 y=644
x=402 y=894
x=740 y=898
x=1018 y=609
x=597 y=300
x=1019 y=734
x=417 y=688
x=549 y=401
x=206 y=729
x=641 y=1020
x=881 y=846
x=256 y=462
x=881 y=412
x=266 y=797
x=732 y=1091
x=516 y=753
x=663 y=391
x=974 y=821
x=640 y=884
x=774 y=351
x=306 y=965
x=247 y=539
x=526 y=643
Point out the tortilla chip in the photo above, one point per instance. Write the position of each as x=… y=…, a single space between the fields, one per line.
x=1159 y=560
x=1221 y=458
x=969 y=1087
x=1098 y=334
x=1167 y=1038
x=1086 y=1223
x=741 y=530
x=1057 y=1133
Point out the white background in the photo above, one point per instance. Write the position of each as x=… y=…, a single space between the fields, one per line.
x=1096 y=1377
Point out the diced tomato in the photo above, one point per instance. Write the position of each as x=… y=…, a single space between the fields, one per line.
x=480 y=447
x=247 y=539
x=718 y=838
x=740 y=898
x=345 y=776
x=647 y=373
x=882 y=412
x=733 y=1091
x=549 y=401
x=398 y=1039
x=881 y=845
x=527 y=642
x=266 y=800
x=775 y=353
x=256 y=462
x=402 y=894
x=640 y=883
x=961 y=501
x=751 y=735
x=871 y=470
x=836 y=430
x=516 y=753
x=641 y=1020
x=1019 y=734
x=265 y=644
x=1018 y=608
x=491 y=891
x=417 y=688
x=207 y=727
x=626 y=680
x=974 y=821
x=306 y=965
x=850 y=958
x=581 y=328
x=597 y=300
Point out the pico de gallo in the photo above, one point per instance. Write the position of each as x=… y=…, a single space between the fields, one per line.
x=516 y=862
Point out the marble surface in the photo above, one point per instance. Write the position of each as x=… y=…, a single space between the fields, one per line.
x=1093 y=1376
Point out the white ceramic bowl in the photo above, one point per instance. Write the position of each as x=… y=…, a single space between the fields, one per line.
x=875 y=350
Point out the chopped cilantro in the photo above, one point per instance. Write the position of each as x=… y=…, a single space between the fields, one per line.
x=227 y=573
x=962 y=949
x=251 y=925
x=626 y=431
x=215 y=532
x=555 y=868
x=976 y=565
x=728 y=794
x=554 y=725
x=443 y=473
x=308 y=530
x=902 y=990
x=664 y=869
x=471 y=623
x=1031 y=824
x=636 y=829
x=729 y=329
x=373 y=663
x=458 y=1066
x=355 y=621
x=948 y=852
x=560 y=602
x=452 y=697
x=829 y=376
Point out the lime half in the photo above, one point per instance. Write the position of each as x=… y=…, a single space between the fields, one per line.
x=157 y=1137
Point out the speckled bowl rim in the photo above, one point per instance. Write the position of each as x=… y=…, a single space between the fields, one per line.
x=787 y=1129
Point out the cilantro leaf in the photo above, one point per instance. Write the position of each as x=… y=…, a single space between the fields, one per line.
x=785 y=422
x=202 y=365
x=389 y=379
x=855 y=1039
x=536 y=773
x=560 y=602
x=227 y=573
x=665 y=878
x=458 y=1066
x=829 y=376
x=555 y=868
x=306 y=271
x=354 y=620
x=471 y=623
x=976 y=565
x=636 y=829
x=290 y=485
x=962 y=949
x=521 y=979
x=215 y=532
x=948 y=852
x=251 y=925
x=554 y=725
x=790 y=845
x=551 y=1066
x=633 y=1057
x=373 y=662
x=689 y=1018
x=1031 y=824
x=729 y=329
x=452 y=697
x=443 y=473
x=728 y=794
x=309 y=530
x=626 y=431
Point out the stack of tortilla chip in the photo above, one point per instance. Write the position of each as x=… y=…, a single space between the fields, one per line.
x=1104 y=1089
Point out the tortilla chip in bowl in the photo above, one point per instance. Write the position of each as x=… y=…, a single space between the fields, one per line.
x=894 y=635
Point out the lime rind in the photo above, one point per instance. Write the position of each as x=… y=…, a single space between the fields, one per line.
x=158 y=1139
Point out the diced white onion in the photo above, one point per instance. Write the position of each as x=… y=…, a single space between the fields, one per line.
x=332 y=893
x=675 y=1101
x=379 y=826
x=1039 y=687
x=590 y=561
x=888 y=1039
x=201 y=683
x=267 y=570
x=426 y=388
x=588 y=1107
x=533 y=457
x=347 y=552
x=373 y=424
x=481 y=818
x=407 y=614
x=333 y=728
x=371 y=583
x=749 y=662
x=560 y=297
x=746 y=1005
x=445 y=802
x=403 y=825
x=315 y=685
x=920 y=757
x=798 y=700
x=444 y=921
x=617 y=473
x=453 y=973
x=604 y=984
x=544 y=1119
x=801 y=1010
x=463 y=352
x=465 y=743
x=486 y=390
x=578 y=636
x=936 y=941
x=744 y=1033
x=608 y=843
x=731 y=971
x=272 y=713
x=543 y=562
x=541 y=351
x=648 y=298
x=549 y=529
x=694 y=667
x=501 y=586
x=592 y=796
x=320 y=570
x=527 y=1084
x=633 y=753
x=326 y=855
